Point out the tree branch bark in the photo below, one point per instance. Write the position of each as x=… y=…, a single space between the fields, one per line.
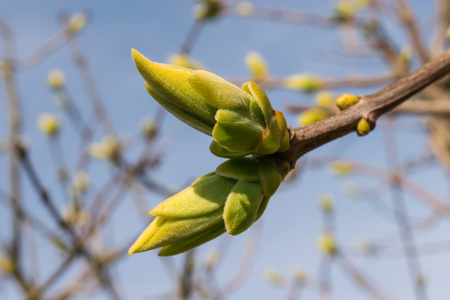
x=370 y=107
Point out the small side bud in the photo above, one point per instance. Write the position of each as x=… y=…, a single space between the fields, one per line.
x=325 y=99
x=345 y=11
x=56 y=79
x=311 y=116
x=80 y=182
x=6 y=264
x=300 y=276
x=351 y=189
x=326 y=203
x=208 y=10
x=59 y=244
x=363 y=127
x=274 y=277
x=245 y=8
x=304 y=82
x=256 y=65
x=327 y=244
x=49 y=124
x=184 y=60
x=406 y=54
x=62 y=173
x=75 y=215
x=364 y=246
x=344 y=101
x=341 y=168
x=76 y=23
x=109 y=149
x=421 y=280
x=212 y=258
x=149 y=129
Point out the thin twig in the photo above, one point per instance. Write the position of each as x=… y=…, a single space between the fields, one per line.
x=401 y=216
x=15 y=127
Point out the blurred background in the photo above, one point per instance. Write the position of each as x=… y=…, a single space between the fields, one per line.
x=85 y=152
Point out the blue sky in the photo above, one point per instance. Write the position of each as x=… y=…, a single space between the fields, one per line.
x=292 y=221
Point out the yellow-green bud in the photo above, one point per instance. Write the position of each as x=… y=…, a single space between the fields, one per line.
x=185 y=61
x=361 y=4
x=344 y=101
x=346 y=10
x=363 y=127
x=76 y=216
x=326 y=203
x=300 y=276
x=212 y=258
x=245 y=8
x=327 y=244
x=76 y=23
x=59 y=244
x=80 y=182
x=304 y=82
x=325 y=99
x=351 y=189
x=256 y=65
x=274 y=277
x=240 y=120
x=62 y=173
x=229 y=200
x=149 y=129
x=359 y=278
x=365 y=247
x=56 y=79
x=406 y=54
x=420 y=280
x=341 y=168
x=6 y=264
x=311 y=116
x=109 y=149
x=49 y=124
x=208 y=9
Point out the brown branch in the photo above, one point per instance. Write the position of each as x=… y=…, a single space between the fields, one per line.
x=411 y=107
x=370 y=107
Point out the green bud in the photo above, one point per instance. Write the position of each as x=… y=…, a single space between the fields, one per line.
x=240 y=120
x=311 y=116
x=363 y=127
x=184 y=60
x=345 y=11
x=325 y=99
x=304 y=82
x=256 y=65
x=208 y=10
x=228 y=200
x=344 y=101
x=327 y=244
